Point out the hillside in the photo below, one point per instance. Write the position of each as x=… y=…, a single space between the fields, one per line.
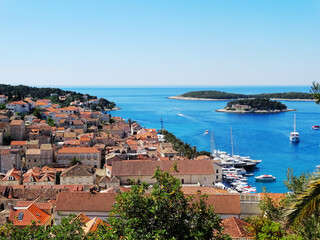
x=20 y=92
x=226 y=96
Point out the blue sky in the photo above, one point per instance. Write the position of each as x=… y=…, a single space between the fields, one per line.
x=165 y=42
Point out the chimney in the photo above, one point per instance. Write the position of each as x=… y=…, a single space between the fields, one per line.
x=10 y=205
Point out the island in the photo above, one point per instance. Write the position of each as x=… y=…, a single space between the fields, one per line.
x=223 y=96
x=255 y=105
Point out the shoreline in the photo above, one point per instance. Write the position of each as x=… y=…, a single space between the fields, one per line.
x=255 y=111
x=209 y=99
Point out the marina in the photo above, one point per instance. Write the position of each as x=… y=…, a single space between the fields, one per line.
x=262 y=136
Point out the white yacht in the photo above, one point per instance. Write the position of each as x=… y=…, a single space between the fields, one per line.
x=294 y=136
x=265 y=178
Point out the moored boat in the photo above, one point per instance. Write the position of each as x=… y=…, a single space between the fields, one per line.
x=294 y=136
x=316 y=127
x=265 y=178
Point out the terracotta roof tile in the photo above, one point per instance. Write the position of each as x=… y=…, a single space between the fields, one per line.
x=79 y=150
x=16 y=123
x=85 y=202
x=236 y=228
x=147 y=168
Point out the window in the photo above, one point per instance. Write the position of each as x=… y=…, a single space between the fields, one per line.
x=20 y=217
x=217 y=177
x=182 y=181
x=35 y=160
x=217 y=171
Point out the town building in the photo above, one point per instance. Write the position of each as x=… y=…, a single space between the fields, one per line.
x=18 y=106
x=91 y=204
x=18 y=130
x=77 y=175
x=189 y=171
x=9 y=158
x=90 y=156
x=27 y=213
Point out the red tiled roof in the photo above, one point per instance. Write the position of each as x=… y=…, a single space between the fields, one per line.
x=16 y=123
x=147 y=168
x=224 y=203
x=29 y=214
x=17 y=103
x=236 y=228
x=79 y=150
x=85 y=202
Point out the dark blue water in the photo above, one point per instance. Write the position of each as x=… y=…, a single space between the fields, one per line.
x=264 y=136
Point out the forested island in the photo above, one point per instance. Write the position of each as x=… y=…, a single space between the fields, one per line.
x=256 y=105
x=57 y=96
x=219 y=95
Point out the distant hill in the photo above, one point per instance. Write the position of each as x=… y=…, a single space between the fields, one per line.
x=224 y=95
x=21 y=91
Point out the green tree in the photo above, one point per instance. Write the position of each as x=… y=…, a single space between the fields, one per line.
x=68 y=229
x=7 y=139
x=36 y=112
x=164 y=214
x=50 y=122
x=274 y=210
x=315 y=91
x=263 y=228
x=75 y=161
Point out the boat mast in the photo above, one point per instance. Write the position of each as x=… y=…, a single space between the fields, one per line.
x=294 y=126
x=211 y=143
x=231 y=141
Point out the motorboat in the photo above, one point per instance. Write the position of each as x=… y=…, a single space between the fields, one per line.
x=180 y=114
x=206 y=132
x=294 y=136
x=265 y=178
x=249 y=174
x=316 y=127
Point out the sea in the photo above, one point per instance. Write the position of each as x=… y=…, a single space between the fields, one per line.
x=260 y=136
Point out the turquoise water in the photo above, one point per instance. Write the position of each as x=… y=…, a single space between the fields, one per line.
x=264 y=136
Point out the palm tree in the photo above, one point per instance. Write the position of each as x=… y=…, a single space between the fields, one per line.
x=305 y=204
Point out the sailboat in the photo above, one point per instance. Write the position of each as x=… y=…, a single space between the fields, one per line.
x=294 y=136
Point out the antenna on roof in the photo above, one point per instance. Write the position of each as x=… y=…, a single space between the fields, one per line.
x=161 y=123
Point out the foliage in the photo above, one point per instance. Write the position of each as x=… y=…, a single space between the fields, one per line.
x=259 y=104
x=225 y=95
x=315 y=91
x=164 y=214
x=264 y=228
x=112 y=120
x=184 y=149
x=271 y=208
x=50 y=122
x=297 y=184
x=306 y=203
x=2 y=106
x=68 y=229
x=102 y=105
x=37 y=113
x=21 y=91
x=200 y=153
x=75 y=161
x=7 y=139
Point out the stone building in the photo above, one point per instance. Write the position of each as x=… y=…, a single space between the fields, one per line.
x=18 y=130
x=77 y=175
x=90 y=156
